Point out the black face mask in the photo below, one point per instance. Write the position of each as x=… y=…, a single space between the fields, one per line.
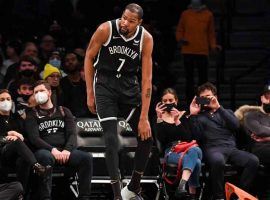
x=266 y=108
x=27 y=72
x=25 y=97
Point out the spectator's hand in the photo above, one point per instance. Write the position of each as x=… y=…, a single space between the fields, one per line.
x=214 y=104
x=194 y=108
x=14 y=133
x=265 y=100
x=160 y=109
x=11 y=138
x=144 y=130
x=183 y=42
x=177 y=115
x=91 y=103
x=57 y=155
x=216 y=48
x=259 y=139
x=65 y=156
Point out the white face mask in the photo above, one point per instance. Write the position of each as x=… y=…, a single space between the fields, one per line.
x=41 y=97
x=5 y=106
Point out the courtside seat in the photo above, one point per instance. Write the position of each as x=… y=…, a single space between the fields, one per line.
x=90 y=138
x=90 y=135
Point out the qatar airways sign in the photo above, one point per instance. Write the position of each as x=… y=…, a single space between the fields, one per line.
x=93 y=126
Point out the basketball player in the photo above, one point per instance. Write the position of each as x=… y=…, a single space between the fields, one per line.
x=117 y=51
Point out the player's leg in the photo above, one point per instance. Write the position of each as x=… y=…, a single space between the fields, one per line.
x=106 y=102
x=132 y=115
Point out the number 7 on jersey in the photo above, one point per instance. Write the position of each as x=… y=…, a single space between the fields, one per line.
x=121 y=64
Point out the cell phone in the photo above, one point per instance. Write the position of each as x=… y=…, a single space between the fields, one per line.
x=169 y=107
x=202 y=100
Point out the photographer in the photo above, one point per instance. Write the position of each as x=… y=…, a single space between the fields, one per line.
x=173 y=125
x=215 y=127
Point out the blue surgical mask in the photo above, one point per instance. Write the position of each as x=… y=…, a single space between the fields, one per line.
x=55 y=62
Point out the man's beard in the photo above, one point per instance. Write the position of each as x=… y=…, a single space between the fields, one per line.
x=122 y=32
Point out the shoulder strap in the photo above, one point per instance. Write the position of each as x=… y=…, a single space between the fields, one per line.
x=35 y=111
x=62 y=111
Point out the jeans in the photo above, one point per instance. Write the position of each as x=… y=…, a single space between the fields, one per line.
x=191 y=161
x=79 y=161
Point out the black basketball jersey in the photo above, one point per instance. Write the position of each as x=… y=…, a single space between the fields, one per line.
x=120 y=55
x=51 y=127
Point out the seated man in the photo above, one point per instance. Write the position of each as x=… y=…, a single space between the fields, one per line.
x=51 y=130
x=11 y=191
x=215 y=128
x=257 y=123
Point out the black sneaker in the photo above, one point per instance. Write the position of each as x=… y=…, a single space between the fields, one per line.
x=179 y=193
x=41 y=170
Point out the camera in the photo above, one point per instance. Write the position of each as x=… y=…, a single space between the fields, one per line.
x=202 y=100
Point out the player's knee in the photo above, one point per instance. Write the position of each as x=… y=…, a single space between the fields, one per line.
x=112 y=142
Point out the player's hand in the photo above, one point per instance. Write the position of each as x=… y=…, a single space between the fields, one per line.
x=15 y=133
x=57 y=155
x=91 y=103
x=65 y=156
x=144 y=129
x=194 y=108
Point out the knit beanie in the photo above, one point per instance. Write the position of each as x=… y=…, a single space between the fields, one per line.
x=49 y=69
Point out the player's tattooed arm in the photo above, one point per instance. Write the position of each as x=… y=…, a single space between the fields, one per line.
x=148 y=93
